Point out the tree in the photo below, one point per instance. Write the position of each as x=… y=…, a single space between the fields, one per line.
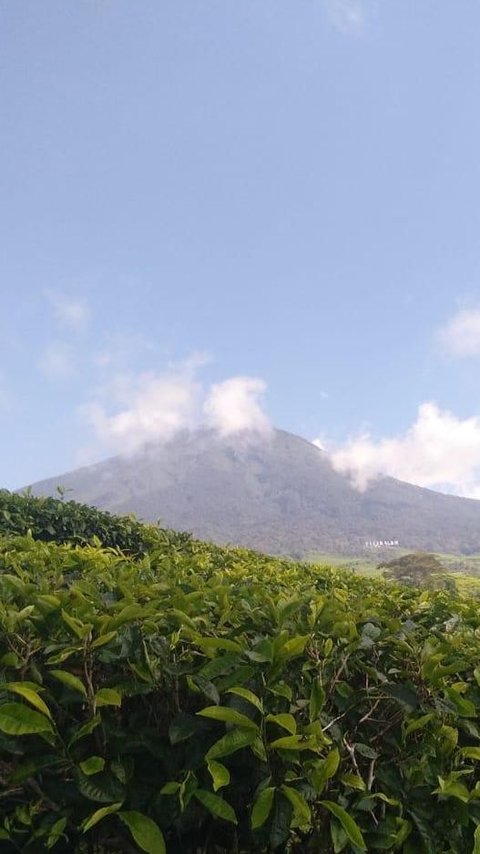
x=418 y=569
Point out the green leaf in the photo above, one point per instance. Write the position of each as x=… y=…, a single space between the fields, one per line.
x=349 y=825
x=220 y=775
x=262 y=807
x=465 y=708
x=476 y=838
x=62 y=656
x=248 y=695
x=328 y=646
x=183 y=619
x=365 y=750
x=92 y=765
x=10 y=659
x=198 y=684
x=302 y=815
x=263 y=651
x=294 y=742
x=29 y=694
x=258 y=750
x=170 y=788
x=325 y=769
x=354 y=781
x=126 y=615
x=17 y=719
x=448 y=739
x=216 y=805
x=470 y=753
x=294 y=646
x=97 y=816
x=211 y=644
x=281 y=689
x=419 y=723
x=218 y=666
x=145 y=832
x=104 y=787
x=85 y=730
x=229 y=716
x=338 y=836
x=108 y=697
x=286 y=721
x=451 y=787
x=81 y=630
x=317 y=700
x=56 y=832
x=234 y=740
x=102 y=640
x=238 y=676
x=69 y=680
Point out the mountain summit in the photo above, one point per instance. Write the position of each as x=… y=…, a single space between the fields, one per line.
x=279 y=494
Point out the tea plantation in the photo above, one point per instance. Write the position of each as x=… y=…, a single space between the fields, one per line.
x=160 y=694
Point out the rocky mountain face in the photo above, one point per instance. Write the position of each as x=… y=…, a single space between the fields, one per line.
x=278 y=494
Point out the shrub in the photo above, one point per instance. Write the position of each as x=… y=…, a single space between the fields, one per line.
x=202 y=699
x=56 y=520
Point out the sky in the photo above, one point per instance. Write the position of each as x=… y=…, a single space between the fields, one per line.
x=241 y=213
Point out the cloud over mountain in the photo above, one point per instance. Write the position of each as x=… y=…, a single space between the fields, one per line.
x=439 y=451
x=234 y=406
x=132 y=409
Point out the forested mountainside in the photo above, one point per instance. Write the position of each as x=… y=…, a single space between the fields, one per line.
x=280 y=495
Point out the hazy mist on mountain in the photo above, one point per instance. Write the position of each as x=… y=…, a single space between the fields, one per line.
x=279 y=494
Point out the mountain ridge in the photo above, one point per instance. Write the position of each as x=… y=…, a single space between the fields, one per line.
x=277 y=493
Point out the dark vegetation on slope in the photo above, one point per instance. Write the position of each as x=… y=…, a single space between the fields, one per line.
x=194 y=699
x=279 y=495
x=61 y=521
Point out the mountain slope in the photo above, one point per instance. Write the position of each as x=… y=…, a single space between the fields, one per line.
x=279 y=495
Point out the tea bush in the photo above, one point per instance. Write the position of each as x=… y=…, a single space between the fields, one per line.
x=56 y=520
x=200 y=699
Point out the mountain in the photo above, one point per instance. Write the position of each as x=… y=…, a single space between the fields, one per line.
x=279 y=494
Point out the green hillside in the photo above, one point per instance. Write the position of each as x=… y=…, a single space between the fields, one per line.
x=164 y=694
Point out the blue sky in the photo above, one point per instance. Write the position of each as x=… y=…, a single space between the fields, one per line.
x=223 y=210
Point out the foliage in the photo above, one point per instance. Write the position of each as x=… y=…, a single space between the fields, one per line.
x=419 y=569
x=56 y=520
x=200 y=699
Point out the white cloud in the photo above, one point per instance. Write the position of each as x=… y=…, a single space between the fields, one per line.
x=234 y=406
x=348 y=16
x=439 y=451
x=136 y=409
x=58 y=361
x=69 y=311
x=131 y=409
x=461 y=336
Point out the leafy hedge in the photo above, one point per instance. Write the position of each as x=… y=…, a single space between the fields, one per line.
x=213 y=700
x=56 y=520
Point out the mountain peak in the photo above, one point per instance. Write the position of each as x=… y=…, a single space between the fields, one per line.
x=277 y=492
